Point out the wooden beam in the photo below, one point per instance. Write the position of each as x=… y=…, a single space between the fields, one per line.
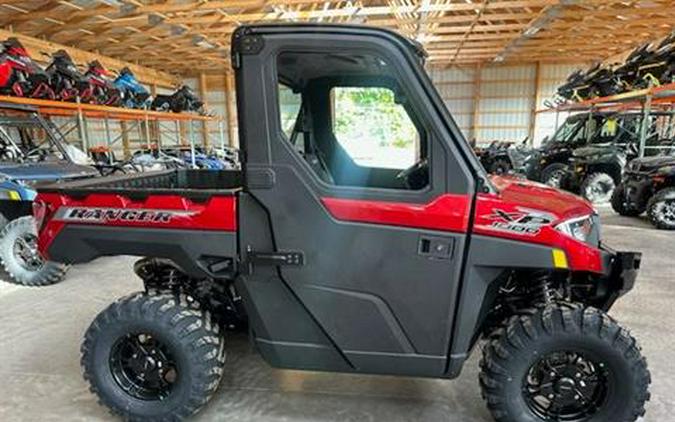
x=475 y=118
x=535 y=101
x=36 y=46
x=203 y=91
x=230 y=113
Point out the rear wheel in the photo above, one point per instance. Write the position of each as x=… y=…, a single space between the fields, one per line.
x=553 y=174
x=21 y=259
x=661 y=209
x=564 y=362
x=153 y=357
x=620 y=205
x=598 y=188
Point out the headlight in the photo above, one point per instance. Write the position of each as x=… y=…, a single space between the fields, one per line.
x=583 y=229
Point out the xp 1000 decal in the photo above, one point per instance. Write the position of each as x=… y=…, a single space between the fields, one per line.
x=522 y=221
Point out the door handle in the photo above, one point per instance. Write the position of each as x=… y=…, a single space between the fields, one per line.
x=436 y=247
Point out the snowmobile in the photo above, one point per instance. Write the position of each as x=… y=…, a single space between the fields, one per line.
x=20 y=76
x=134 y=95
x=184 y=99
x=103 y=90
x=66 y=79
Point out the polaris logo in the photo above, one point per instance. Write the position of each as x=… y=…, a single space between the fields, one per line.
x=107 y=215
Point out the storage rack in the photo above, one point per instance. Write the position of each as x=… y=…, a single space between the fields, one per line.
x=154 y=128
x=659 y=98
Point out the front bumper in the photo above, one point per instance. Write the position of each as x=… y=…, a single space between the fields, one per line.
x=620 y=272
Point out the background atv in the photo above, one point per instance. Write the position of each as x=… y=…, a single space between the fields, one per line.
x=549 y=163
x=30 y=154
x=503 y=157
x=595 y=170
x=648 y=185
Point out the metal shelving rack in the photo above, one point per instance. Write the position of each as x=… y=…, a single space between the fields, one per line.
x=153 y=127
x=658 y=98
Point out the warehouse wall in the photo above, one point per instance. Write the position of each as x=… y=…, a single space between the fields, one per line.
x=499 y=102
x=488 y=103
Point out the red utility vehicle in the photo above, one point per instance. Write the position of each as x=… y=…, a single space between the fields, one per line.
x=363 y=236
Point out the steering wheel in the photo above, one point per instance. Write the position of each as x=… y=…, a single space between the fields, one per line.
x=416 y=168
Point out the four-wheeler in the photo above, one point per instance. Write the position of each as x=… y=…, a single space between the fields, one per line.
x=365 y=237
x=184 y=99
x=20 y=75
x=550 y=162
x=648 y=185
x=31 y=153
x=596 y=169
x=134 y=94
x=501 y=157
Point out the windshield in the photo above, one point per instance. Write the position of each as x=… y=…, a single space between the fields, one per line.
x=571 y=132
x=28 y=140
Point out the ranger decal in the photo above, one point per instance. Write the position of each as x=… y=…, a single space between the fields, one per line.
x=106 y=215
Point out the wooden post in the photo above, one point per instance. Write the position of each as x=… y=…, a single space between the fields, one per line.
x=535 y=101
x=476 y=103
x=230 y=99
x=205 y=124
x=125 y=140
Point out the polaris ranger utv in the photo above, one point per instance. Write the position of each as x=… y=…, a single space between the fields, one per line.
x=648 y=185
x=361 y=236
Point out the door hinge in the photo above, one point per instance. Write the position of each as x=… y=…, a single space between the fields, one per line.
x=287 y=258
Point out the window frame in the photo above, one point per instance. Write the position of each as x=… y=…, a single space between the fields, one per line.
x=435 y=184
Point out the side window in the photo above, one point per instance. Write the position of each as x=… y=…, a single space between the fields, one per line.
x=373 y=129
x=289 y=108
x=346 y=115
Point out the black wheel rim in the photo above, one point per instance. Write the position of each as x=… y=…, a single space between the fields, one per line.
x=566 y=386
x=26 y=252
x=143 y=367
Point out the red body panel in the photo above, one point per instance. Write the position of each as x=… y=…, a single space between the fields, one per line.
x=447 y=212
x=450 y=213
x=217 y=213
x=493 y=215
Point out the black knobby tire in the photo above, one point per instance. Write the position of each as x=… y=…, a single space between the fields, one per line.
x=22 y=233
x=619 y=205
x=500 y=166
x=661 y=209
x=598 y=187
x=512 y=351
x=553 y=174
x=190 y=338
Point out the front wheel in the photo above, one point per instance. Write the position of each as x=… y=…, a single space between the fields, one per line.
x=620 y=204
x=661 y=209
x=553 y=174
x=153 y=356
x=21 y=259
x=598 y=188
x=564 y=362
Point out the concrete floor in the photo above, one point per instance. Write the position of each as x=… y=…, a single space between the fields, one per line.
x=41 y=330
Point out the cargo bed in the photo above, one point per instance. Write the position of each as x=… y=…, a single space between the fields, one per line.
x=197 y=185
